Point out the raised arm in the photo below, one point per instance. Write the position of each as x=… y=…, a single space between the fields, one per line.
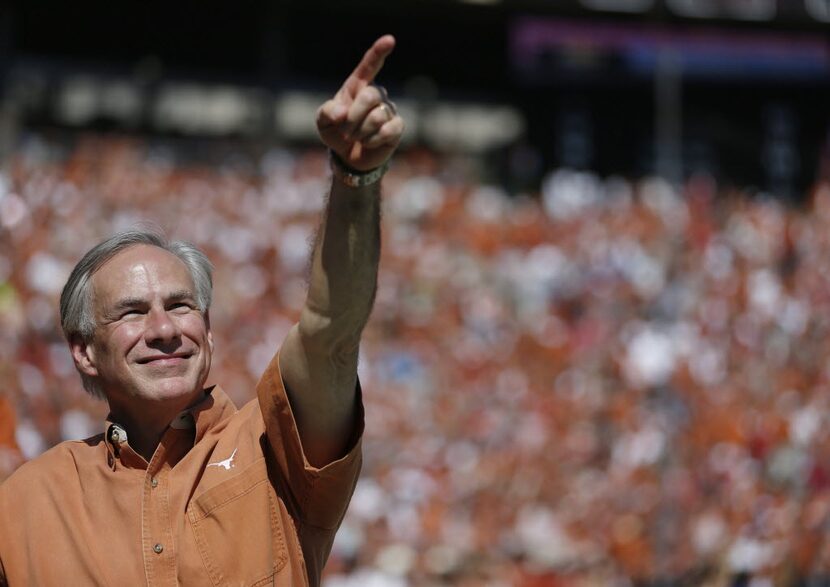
x=318 y=359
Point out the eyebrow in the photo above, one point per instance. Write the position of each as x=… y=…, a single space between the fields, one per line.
x=128 y=303
x=175 y=296
x=181 y=294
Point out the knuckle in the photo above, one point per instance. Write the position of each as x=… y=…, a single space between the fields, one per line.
x=378 y=116
x=371 y=95
x=364 y=95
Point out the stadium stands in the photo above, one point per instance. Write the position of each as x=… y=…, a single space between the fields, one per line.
x=610 y=382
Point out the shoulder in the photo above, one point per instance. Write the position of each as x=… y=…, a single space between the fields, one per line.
x=66 y=458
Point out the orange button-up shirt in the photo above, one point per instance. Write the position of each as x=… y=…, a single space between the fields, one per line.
x=227 y=498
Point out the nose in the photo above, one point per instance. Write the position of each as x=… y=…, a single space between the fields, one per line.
x=161 y=327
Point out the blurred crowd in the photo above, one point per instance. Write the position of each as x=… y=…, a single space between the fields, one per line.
x=609 y=382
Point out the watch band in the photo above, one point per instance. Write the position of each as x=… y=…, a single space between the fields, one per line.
x=352 y=177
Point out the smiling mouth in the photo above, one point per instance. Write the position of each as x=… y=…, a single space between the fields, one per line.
x=164 y=359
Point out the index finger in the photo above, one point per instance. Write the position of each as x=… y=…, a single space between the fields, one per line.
x=370 y=65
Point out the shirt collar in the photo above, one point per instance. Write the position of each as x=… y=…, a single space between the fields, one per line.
x=212 y=409
x=118 y=449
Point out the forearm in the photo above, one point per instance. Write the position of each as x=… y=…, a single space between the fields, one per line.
x=319 y=357
x=318 y=360
x=343 y=276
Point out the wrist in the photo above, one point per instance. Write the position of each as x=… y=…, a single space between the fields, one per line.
x=354 y=178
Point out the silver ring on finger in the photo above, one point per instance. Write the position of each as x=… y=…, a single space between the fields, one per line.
x=388 y=105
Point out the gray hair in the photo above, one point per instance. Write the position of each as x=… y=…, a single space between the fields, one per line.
x=77 y=316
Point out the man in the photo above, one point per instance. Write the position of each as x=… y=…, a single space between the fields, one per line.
x=182 y=488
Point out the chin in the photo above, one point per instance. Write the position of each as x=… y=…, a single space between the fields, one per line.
x=170 y=389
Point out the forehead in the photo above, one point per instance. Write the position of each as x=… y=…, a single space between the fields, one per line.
x=139 y=271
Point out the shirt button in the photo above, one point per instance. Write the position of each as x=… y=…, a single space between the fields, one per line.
x=154 y=482
x=158 y=548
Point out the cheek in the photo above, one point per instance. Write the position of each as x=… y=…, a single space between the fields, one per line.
x=193 y=327
x=124 y=338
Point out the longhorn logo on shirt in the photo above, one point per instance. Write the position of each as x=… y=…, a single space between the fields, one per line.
x=227 y=463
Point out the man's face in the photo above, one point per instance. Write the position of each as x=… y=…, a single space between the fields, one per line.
x=151 y=342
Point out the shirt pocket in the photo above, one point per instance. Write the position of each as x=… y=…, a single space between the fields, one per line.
x=237 y=530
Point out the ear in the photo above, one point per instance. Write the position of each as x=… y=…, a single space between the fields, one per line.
x=83 y=355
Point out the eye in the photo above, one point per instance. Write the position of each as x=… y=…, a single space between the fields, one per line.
x=181 y=307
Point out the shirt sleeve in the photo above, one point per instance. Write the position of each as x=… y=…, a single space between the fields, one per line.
x=321 y=495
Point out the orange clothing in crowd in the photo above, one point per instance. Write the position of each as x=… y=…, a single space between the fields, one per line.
x=7 y=424
x=228 y=498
